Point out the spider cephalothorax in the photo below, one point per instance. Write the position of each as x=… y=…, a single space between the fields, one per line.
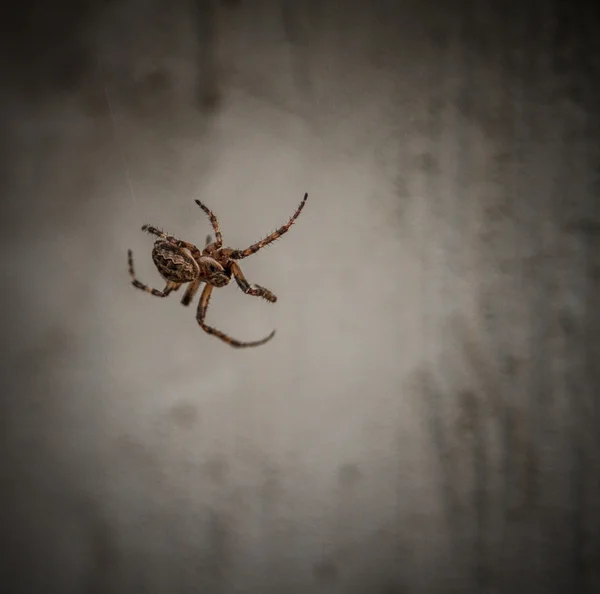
x=180 y=262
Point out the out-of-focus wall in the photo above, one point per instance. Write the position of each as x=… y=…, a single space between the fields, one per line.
x=426 y=417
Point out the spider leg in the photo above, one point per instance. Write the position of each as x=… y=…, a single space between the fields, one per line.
x=239 y=254
x=208 y=240
x=213 y=221
x=249 y=289
x=201 y=314
x=191 y=292
x=169 y=238
x=154 y=231
x=177 y=242
x=169 y=287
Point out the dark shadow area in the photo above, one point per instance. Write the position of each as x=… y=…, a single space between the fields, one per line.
x=44 y=47
x=205 y=16
x=506 y=500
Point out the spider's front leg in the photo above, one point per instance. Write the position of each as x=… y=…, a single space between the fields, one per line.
x=241 y=254
x=201 y=315
x=169 y=287
x=249 y=289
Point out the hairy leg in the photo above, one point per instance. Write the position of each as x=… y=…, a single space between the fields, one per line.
x=201 y=315
x=191 y=292
x=249 y=289
x=213 y=221
x=169 y=287
x=155 y=231
x=171 y=239
x=239 y=254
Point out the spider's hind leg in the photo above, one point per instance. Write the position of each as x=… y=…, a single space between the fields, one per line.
x=169 y=287
x=153 y=231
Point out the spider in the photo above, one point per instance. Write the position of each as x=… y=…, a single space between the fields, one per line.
x=180 y=262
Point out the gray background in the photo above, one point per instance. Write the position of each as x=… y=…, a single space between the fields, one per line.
x=426 y=418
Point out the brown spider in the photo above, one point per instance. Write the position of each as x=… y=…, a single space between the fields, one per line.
x=180 y=262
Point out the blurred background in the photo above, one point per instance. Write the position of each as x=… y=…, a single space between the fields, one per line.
x=426 y=417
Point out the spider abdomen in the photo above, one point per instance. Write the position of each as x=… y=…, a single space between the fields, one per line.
x=174 y=263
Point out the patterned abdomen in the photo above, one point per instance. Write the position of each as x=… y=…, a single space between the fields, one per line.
x=174 y=263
